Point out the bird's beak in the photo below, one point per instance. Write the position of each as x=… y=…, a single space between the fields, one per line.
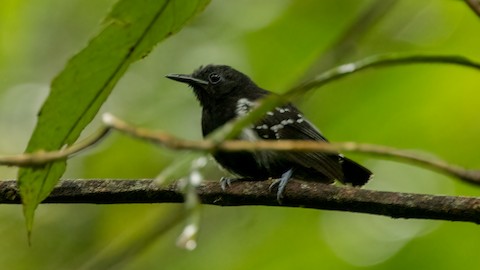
x=186 y=79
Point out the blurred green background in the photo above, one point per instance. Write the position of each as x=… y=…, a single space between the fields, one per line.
x=428 y=108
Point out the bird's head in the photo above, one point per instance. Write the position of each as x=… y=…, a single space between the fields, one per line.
x=217 y=82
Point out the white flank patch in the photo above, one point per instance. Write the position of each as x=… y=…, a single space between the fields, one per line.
x=248 y=134
x=244 y=106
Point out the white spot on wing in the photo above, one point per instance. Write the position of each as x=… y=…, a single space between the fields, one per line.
x=287 y=121
x=276 y=128
x=300 y=118
x=264 y=126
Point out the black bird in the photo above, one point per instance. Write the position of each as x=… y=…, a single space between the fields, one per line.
x=225 y=94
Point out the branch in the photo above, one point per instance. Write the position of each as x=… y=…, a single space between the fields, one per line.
x=297 y=194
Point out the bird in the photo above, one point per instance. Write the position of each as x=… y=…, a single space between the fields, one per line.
x=226 y=94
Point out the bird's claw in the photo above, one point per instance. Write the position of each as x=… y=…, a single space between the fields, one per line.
x=281 y=183
x=226 y=182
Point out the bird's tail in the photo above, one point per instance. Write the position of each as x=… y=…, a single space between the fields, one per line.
x=354 y=173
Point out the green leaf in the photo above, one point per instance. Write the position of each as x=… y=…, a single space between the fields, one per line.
x=130 y=32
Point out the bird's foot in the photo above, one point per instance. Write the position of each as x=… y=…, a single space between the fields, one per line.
x=281 y=183
x=226 y=182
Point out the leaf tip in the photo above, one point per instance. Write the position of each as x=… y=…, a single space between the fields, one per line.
x=29 y=214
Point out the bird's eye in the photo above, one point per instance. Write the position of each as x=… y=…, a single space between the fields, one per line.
x=214 y=78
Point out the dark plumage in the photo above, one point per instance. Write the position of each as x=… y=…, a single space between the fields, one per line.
x=225 y=94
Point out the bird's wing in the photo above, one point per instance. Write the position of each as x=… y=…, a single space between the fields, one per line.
x=288 y=123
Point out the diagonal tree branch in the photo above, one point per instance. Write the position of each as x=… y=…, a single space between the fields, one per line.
x=297 y=194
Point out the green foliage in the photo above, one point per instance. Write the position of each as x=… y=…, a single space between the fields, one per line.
x=130 y=32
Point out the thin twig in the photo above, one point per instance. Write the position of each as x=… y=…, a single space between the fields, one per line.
x=378 y=61
x=297 y=194
x=43 y=157
x=233 y=128
x=167 y=140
